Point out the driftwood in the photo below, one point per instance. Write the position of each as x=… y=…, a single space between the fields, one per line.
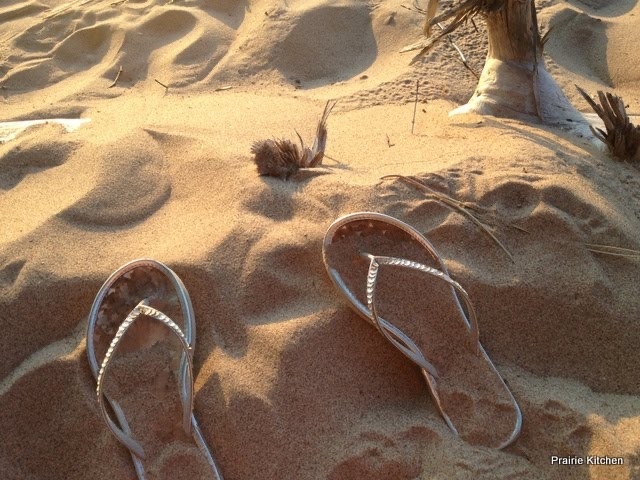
x=283 y=158
x=621 y=136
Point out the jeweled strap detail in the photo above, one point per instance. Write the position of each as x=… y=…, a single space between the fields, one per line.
x=187 y=403
x=404 y=343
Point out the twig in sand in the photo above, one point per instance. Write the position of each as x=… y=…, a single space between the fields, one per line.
x=389 y=144
x=463 y=208
x=462 y=57
x=519 y=228
x=220 y=89
x=160 y=83
x=117 y=77
x=283 y=158
x=415 y=107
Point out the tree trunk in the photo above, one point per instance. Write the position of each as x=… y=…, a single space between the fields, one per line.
x=514 y=81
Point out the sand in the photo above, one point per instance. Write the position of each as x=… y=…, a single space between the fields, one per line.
x=290 y=383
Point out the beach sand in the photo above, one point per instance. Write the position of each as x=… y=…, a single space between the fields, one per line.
x=290 y=383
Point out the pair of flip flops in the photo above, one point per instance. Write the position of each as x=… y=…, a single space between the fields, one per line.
x=383 y=267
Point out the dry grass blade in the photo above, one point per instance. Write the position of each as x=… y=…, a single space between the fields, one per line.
x=320 y=142
x=430 y=13
x=115 y=82
x=611 y=250
x=545 y=38
x=463 y=208
x=427 y=44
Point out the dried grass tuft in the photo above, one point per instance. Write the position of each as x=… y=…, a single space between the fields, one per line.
x=282 y=158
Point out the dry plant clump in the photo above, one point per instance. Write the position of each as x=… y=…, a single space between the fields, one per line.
x=622 y=137
x=282 y=158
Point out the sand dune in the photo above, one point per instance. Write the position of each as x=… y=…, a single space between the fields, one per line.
x=290 y=383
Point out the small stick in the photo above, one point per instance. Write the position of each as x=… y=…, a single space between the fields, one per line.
x=519 y=228
x=415 y=107
x=117 y=77
x=160 y=83
x=389 y=144
x=462 y=57
x=220 y=89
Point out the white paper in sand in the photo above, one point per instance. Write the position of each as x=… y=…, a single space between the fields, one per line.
x=10 y=130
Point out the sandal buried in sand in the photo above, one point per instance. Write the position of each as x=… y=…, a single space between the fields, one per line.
x=388 y=271
x=130 y=316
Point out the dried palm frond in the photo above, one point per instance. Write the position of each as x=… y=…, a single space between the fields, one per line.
x=461 y=13
x=430 y=13
x=622 y=137
x=283 y=158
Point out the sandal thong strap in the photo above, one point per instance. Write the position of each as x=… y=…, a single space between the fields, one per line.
x=409 y=348
x=124 y=436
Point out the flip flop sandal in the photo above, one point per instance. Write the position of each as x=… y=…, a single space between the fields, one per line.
x=391 y=274
x=132 y=316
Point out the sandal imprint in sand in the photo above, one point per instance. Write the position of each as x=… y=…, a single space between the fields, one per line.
x=343 y=243
x=140 y=290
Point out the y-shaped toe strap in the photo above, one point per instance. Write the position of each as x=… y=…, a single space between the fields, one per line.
x=397 y=338
x=186 y=390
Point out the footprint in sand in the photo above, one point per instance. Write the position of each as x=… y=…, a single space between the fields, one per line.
x=380 y=457
x=45 y=61
x=183 y=42
x=130 y=184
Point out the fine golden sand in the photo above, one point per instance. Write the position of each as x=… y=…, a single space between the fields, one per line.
x=290 y=383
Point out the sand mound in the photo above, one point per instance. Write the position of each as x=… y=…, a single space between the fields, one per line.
x=575 y=31
x=290 y=383
x=130 y=184
x=327 y=44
